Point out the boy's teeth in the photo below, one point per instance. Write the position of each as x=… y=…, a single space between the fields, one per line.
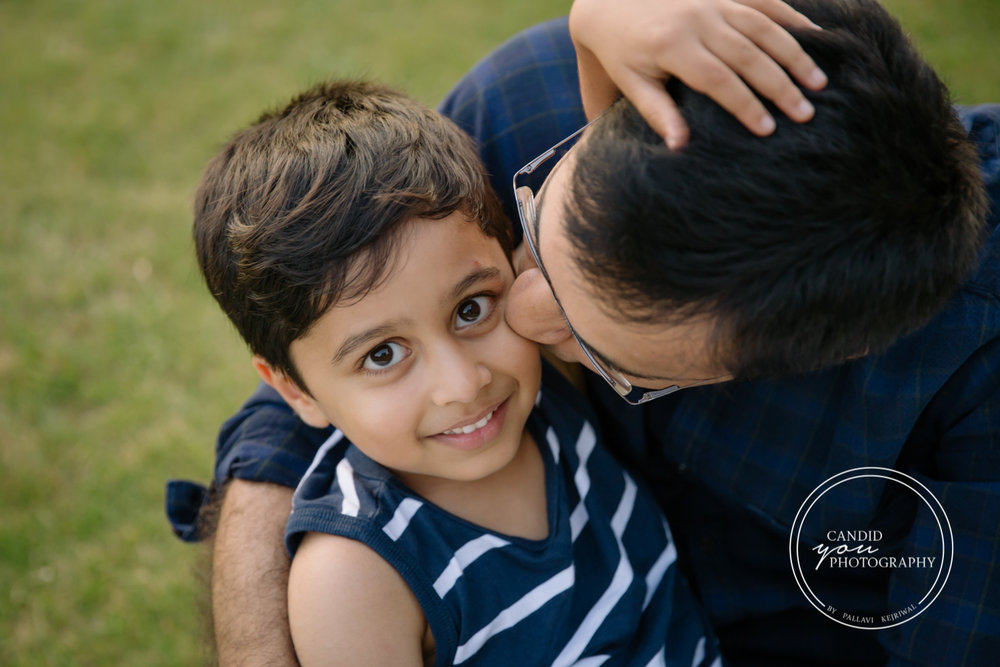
x=471 y=427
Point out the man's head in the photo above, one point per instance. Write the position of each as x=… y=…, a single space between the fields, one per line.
x=748 y=256
x=303 y=209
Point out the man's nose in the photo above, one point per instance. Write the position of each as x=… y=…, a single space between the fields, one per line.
x=532 y=311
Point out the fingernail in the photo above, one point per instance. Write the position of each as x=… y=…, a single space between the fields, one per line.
x=817 y=78
x=672 y=142
x=805 y=109
x=767 y=125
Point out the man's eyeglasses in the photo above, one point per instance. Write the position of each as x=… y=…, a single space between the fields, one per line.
x=527 y=181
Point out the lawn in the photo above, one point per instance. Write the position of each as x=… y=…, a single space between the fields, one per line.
x=116 y=367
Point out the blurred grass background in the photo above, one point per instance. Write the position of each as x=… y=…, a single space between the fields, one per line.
x=116 y=367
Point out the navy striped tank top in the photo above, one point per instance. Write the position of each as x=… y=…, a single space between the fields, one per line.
x=601 y=589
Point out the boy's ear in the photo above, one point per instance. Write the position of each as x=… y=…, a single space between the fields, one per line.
x=300 y=401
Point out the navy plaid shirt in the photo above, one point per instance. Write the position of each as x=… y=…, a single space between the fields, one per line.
x=732 y=463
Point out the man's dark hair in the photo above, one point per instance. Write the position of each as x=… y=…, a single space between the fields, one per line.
x=827 y=240
x=302 y=209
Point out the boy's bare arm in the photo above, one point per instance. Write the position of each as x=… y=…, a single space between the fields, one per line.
x=250 y=576
x=348 y=606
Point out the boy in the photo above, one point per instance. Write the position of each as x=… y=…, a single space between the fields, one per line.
x=459 y=515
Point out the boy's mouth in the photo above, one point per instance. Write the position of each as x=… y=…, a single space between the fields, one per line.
x=469 y=428
x=468 y=434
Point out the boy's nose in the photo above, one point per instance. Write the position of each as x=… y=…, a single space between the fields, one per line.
x=459 y=377
x=532 y=311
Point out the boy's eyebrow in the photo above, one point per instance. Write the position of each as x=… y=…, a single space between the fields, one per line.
x=473 y=277
x=357 y=340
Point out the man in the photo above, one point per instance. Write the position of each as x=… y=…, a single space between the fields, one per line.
x=732 y=462
x=829 y=254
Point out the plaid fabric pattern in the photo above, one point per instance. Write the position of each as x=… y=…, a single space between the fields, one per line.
x=732 y=463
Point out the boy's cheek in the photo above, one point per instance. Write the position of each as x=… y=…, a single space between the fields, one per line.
x=523 y=358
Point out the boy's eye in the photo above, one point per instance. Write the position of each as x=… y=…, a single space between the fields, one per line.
x=384 y=356
x=473 y=310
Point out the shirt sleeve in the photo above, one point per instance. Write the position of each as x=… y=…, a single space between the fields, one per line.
x=962 y=626
x=960 y=465
x=264 y=442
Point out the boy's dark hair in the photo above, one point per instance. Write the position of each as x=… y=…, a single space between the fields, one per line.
x=303 y=208
x=826 y=240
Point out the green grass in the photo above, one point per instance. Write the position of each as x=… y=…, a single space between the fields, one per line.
x=115 y=366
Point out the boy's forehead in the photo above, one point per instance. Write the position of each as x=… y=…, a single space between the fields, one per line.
x=439 y=263
x=426 y=252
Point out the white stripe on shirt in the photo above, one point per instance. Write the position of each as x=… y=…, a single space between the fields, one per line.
x=534 y=600
x=334 y=438
x=553 y=441
x=584 y=447
x=616 y=589
x=464 y=557
x=699 y=653
x=593 y=661
x=655 y=575
x=345 y=479
x=660 y=659
x=401 y=518
x=625 y=506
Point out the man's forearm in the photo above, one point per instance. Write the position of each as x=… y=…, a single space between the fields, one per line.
x=250 y=576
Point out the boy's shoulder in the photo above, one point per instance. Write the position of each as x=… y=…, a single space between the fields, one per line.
x=344 y=493
x=335 y=588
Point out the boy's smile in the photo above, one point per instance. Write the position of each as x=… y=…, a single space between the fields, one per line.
x=473 y=434
x=422 y=373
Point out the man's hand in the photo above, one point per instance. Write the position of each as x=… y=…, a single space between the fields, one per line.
x=721 y=48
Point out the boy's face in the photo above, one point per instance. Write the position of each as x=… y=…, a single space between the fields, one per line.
x=424 y=357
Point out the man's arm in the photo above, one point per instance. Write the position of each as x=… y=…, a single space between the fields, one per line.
x=250 y=576
x=262 y=452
